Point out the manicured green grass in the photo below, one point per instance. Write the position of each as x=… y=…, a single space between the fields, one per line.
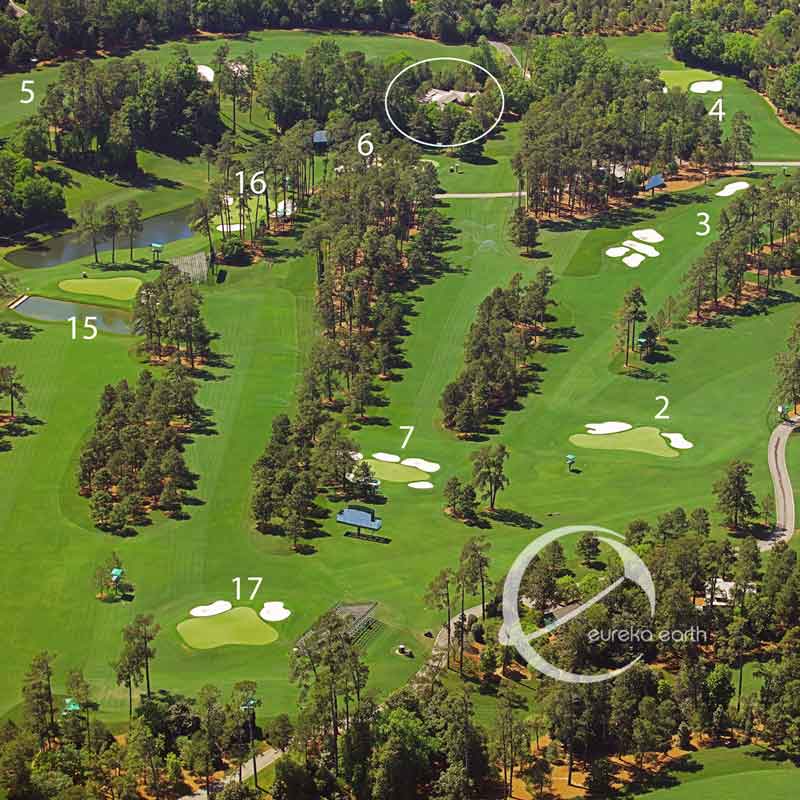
x=264 y=43
x=772 y=141
x=742 y=786
x=239 y=626
x=52 y=549
x=399 y=473
x=492 y=173
x=719 y=385
x=639 y=440
x=651 y=48
x=113 y=288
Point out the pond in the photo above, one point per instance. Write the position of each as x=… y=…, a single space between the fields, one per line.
x=111 y=320
x=163 y=228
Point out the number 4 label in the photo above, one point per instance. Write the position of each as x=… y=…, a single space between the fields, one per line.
x=716 y=110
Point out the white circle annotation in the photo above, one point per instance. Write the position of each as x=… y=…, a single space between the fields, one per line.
x=432 y=144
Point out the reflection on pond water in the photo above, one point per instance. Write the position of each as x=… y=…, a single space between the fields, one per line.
x=164 y=228
x=111 y=320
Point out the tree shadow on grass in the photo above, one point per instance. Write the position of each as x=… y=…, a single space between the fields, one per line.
x=19 y=330
x=517 y=519
x=21 y=426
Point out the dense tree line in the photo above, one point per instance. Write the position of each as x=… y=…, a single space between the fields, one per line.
x=366 y=260
x=100 y=114
x=422 y=741
x=734 y=605
x=29 y=196
x=167 y=312
x=608 y=16
x=54 y=751
x=601 y=126
x=768 y=59
x=496 y=353
x=52 y=28
x=133 y=461
x=757 y=233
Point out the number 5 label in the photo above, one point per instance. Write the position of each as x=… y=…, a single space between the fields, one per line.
x=27 y=91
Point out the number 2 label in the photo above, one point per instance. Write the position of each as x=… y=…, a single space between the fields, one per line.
x=661 y=414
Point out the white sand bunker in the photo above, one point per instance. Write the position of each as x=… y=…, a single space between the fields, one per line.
x=639 y=247
x=356 y=456
x=633 y=260
x=678 y=441
x=420 y=485
x=616 y=252
x=732 y=188
x=421 y=463
x=390 y=457
x=650 y=235
x=274 y=611
x=217 y=607
x=230 y=228
x=205 y=73
x=600 y=428
x=228 y=200
x=702 y=87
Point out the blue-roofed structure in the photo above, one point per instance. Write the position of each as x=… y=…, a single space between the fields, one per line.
x=360 y=517
x=320 y=138
x=655 y=182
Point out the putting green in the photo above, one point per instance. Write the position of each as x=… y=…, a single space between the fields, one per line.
x=113 y=288
x=641 y=440
x=399 y=473
x=237 y=626
x=684 y=78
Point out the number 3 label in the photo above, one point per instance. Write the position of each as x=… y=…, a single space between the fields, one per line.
x=704 y=218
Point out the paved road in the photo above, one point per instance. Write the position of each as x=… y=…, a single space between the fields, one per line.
x=263 y=760
x=508 y=53
x=784 y=494
x=438 y=658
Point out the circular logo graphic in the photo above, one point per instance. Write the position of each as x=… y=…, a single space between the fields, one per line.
x=511 y=633
x=434 y=144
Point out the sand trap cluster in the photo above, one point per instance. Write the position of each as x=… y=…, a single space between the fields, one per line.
x=600 y=428
x=650 y=235
x=634 y=251
x=211 y=610
x=230 y=228
x=421 y=463
x=633 y=260
x=274 y=611
x=678 y=441
x=205 y=73
x=622 y=436
x=732 y=188
x=703 y=87
x=356 y=456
